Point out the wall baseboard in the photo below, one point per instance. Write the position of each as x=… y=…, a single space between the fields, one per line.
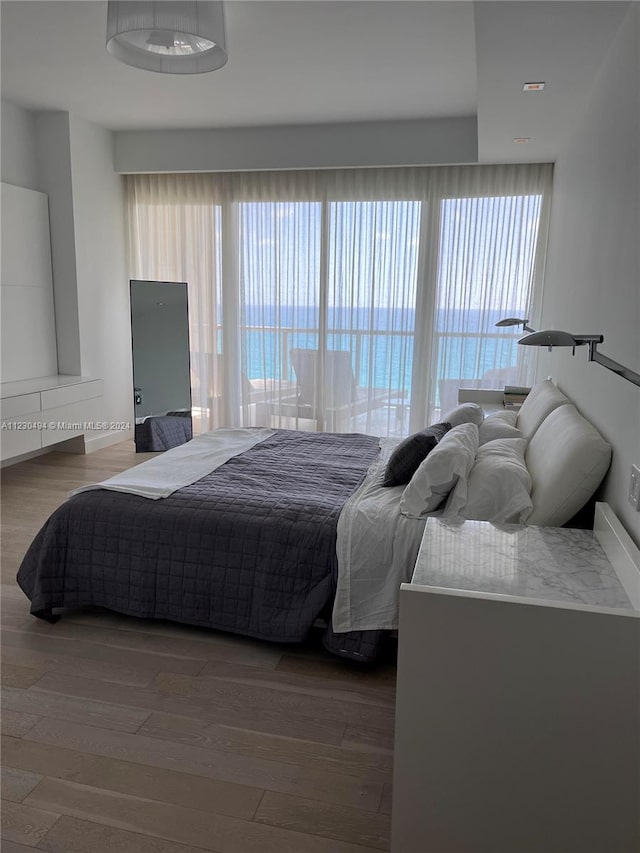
x=106 y=440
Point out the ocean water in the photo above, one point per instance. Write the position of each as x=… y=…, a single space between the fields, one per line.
x=468 y=343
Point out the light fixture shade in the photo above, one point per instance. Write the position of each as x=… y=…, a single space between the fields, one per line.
x=550 y=338
x=516 y=321
x=180 y=37
x=512 y=321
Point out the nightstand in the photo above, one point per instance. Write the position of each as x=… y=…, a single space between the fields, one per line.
x=518 y=694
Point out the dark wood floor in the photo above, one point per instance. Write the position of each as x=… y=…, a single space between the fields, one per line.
x=134 y=736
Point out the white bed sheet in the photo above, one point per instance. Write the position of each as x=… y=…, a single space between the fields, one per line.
x=377 y=550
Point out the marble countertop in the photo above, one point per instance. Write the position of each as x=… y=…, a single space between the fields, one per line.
x=548 y=563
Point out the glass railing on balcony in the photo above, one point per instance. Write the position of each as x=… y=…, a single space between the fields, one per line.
x=381 y=360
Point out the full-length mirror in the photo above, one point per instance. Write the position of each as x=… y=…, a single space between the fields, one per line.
x=161 y=371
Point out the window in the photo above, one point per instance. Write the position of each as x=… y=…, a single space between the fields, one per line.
x=350 y=300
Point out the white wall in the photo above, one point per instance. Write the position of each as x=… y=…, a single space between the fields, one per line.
x=399 y=143
x=593 y=268
x=18 y=144
x=72 y=161
x=28 y=323
x=26 y=292
x=54 y=158
x=102 y=282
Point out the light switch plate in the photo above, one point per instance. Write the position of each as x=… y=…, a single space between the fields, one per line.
x=634 y=487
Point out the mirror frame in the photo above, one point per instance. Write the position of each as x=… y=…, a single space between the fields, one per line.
x=170 y=441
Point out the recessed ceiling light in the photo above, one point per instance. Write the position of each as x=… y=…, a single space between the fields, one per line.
x=521 y=139
x=533 y=87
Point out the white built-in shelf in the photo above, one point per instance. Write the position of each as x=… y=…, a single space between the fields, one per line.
x=41 y=383
x=40 y=412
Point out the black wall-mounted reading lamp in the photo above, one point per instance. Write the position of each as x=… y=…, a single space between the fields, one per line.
x=553 y=338
x=516 y=321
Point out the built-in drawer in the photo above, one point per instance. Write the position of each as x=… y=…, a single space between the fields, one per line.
x=25 y=404
x=15 y=440
x=71 y=420
x=55 y=397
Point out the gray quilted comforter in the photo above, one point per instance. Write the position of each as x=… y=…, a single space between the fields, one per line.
x=250 y=548
x=162 y=433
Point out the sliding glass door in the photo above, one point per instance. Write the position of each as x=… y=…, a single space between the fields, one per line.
x=372 y=278
x=327 y=292
x=279 y=248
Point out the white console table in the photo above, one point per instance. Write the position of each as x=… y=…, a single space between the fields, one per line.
x=37 y=413
x=491 y=400
x=518 y=698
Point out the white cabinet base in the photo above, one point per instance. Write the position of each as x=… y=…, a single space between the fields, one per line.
x=517 y=720
x=516 y=728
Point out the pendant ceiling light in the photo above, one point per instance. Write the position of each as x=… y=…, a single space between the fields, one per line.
x=180 y=37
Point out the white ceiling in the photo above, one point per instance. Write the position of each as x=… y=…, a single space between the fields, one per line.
x=289 y=63
x=561 y=43
x=326 y=61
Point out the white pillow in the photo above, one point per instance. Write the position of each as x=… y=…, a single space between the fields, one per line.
x=539 y=403
x=493 y=428
x=498 y=488
x=465 y=413
x=567 y=458
x=449 y=462
x=507 y=416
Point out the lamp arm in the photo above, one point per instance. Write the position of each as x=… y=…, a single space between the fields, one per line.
x=610 y=364
x=527 y=328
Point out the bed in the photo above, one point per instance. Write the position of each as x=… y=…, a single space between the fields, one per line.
x=263 y=532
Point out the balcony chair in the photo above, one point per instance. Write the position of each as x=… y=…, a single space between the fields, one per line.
x=342 y=398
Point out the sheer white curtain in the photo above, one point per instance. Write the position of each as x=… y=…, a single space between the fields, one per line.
x=492 y=227
x=343 y=300
x=175 y=235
